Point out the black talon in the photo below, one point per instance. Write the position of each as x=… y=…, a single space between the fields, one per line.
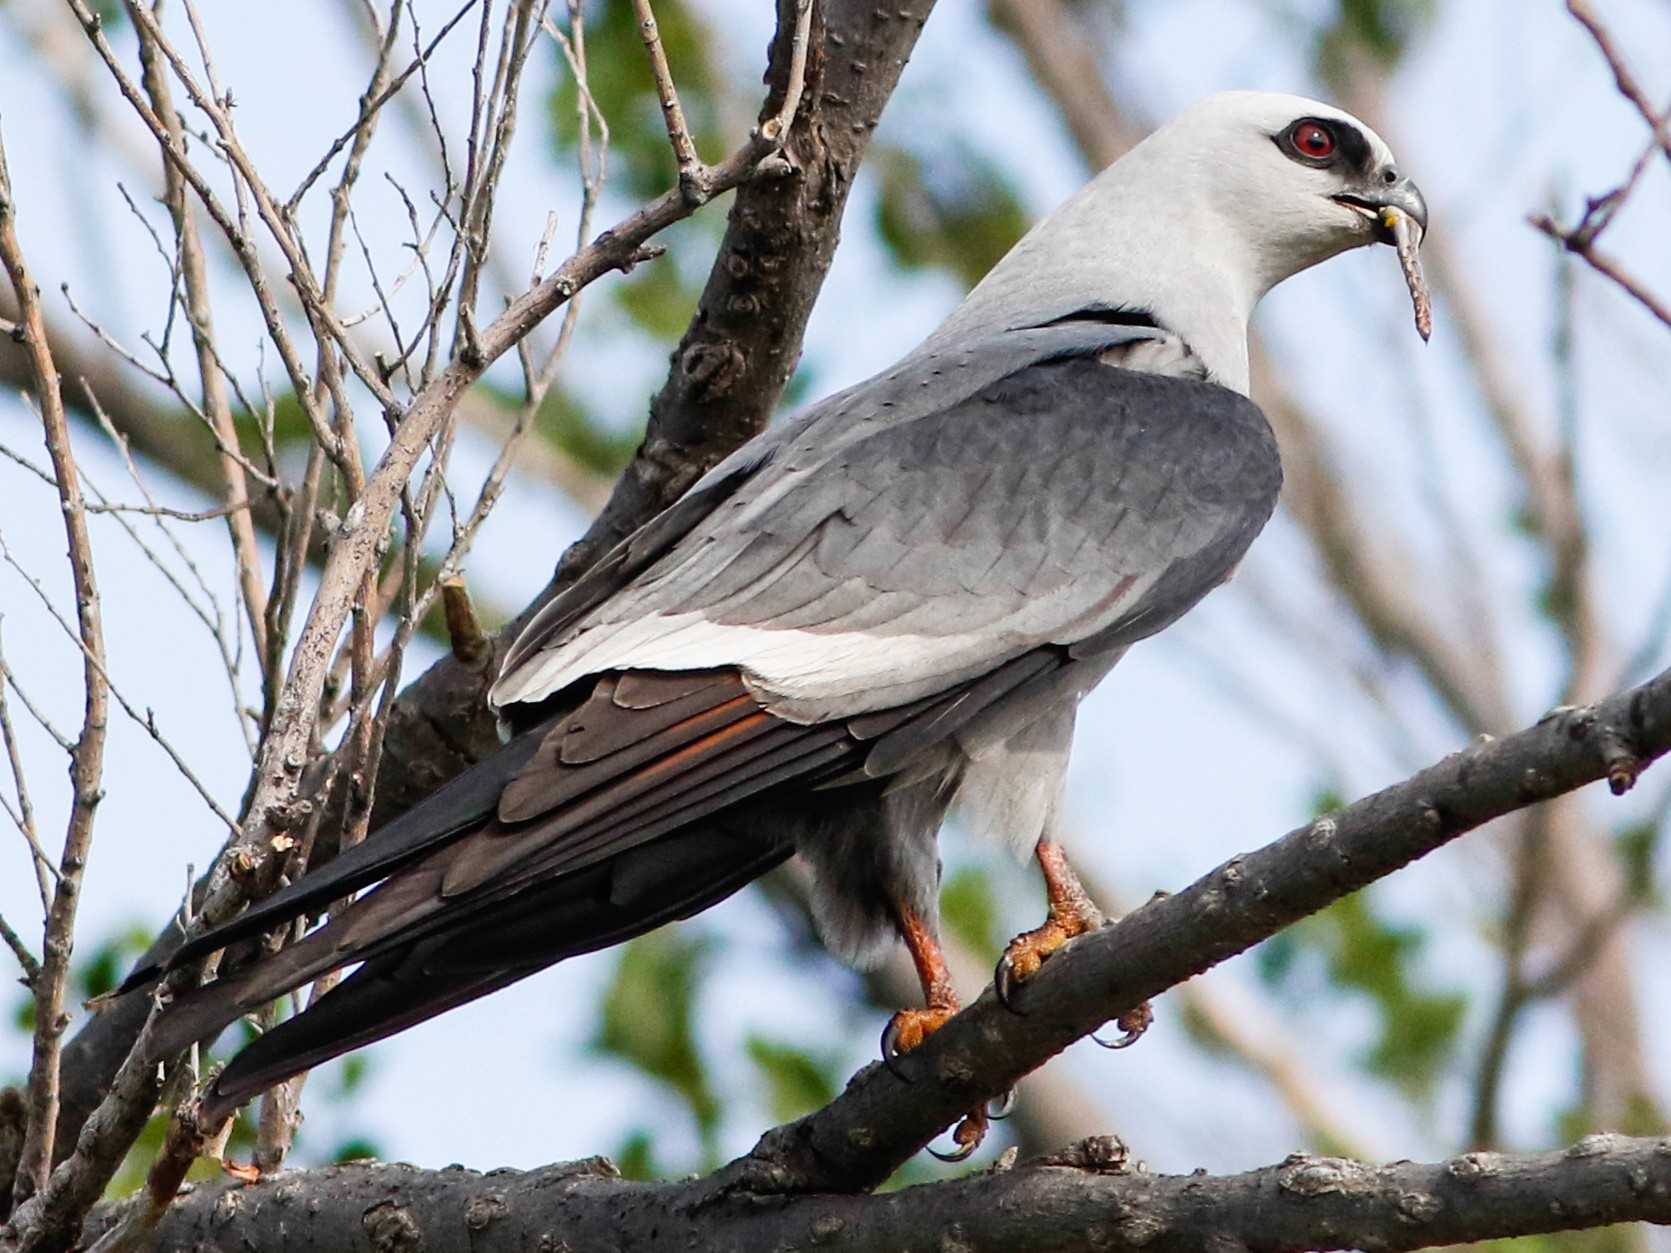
x=1004 y=985
x=890 y=1050
x=963 y=1152
x=1001 y=1107
x=960 y=1154
x=1133 y=1024
x=1124 y=1042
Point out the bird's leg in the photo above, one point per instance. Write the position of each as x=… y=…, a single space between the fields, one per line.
x=1071 y=913
x=910 y=1027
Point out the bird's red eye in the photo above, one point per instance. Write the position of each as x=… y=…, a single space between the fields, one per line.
x=1313 y=140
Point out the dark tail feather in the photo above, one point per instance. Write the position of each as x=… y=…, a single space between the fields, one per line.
x=373 y=1002
x=453 y=809
x=593 y=908
x=194 y=1017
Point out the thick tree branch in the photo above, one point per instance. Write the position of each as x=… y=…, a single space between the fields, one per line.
x=727 y=371
x=1084 y=1198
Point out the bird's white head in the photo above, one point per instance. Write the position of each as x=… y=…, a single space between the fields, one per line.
x=1196 y=223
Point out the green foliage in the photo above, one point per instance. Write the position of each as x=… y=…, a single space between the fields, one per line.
x=291 y=428
x=647 y=1019
x=618 y=76
x=1377 y=31
x=93 y=975
x=1621 y=1239
x=796 y=1081
x=567 y=426
x=356 y=1150
x=947 y=208
x=1637 y=849
x=636 y=1158
x=657 y=297
x=969 y=910
x=99 y=971
x=1361 y=952
x=130 y=1177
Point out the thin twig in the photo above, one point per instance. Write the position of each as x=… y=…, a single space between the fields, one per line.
x=217 y=406
x=96 y=662
x=1626 y=81
x=1574 y=241
x=689 y=165
x=29 y=963
x=24 y=817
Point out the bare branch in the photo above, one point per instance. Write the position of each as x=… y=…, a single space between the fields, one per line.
x=1579 y=242
x=1088 y=1198
x=87 y=756
x=217 y=406
x=1626 y=81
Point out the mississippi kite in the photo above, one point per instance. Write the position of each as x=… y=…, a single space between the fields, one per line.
x=886 y=605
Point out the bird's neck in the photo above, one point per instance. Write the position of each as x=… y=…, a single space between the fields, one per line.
x=1113 y=245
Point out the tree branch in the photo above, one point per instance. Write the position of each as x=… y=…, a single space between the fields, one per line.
x=51 y=981
x=888 y=1113
x=1087 y=1197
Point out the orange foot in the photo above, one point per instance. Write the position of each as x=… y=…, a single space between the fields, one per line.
x=905 y=1031
x=1071 y=913
x=910 y=1027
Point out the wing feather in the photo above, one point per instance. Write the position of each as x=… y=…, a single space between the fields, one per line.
x=1044 y=508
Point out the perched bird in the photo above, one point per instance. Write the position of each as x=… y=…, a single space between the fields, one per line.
x=886 y=605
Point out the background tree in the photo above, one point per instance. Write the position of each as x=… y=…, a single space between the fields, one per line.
x=290 y=357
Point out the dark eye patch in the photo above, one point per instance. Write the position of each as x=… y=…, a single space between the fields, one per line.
x=1352 y=153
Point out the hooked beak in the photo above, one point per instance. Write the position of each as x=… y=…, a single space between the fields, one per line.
x=1399 y=215
x=1388 y=191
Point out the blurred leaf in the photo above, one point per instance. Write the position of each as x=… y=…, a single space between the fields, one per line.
x=1326 y=801
x=968 y=909
x=109 y=961
x=1377 y=31
x=1365 y=954
x=1276 y=956
x=618 y=75
x=949 y=208
x=92 y=975
x=291 y=428
x=351 y=1073
x=647 y=1019
x=565 y=424
x=1621 y=1239
x=356 y=1150
x=796 y=1082
x=1637 y=847
x=130 y=1177
x=658 y=299
x=636 y=1158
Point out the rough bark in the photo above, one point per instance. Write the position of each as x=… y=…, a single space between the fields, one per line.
x=1086 y=1197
